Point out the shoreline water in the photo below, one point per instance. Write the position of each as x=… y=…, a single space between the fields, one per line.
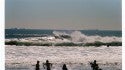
x=107 y=57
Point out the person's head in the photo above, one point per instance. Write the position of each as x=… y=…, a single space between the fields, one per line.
x=37 y=62
x=47 y=61
x=64 y=65
x=94 y=61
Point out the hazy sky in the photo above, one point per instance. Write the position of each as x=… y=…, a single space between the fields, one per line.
x=63 y=14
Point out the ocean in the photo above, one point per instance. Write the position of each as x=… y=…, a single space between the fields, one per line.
x=74 y=48
x=23 y=33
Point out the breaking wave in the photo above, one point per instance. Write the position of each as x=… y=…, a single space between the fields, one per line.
x=75 y=38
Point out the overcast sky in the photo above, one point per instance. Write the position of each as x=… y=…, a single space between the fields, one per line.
x=63 y=14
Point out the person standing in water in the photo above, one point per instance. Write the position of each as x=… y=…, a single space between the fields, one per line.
x=94 y=65
x=48 y=65
x=37 y=66
x=64 y=67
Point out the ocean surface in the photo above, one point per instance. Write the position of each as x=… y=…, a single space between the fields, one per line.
x=76 y=58
x=22 y=33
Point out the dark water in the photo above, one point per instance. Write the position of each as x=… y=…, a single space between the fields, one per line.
x=21 y=33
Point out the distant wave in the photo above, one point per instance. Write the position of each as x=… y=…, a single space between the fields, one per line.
x=75 y=38
x=96 y=44
x=23 y=33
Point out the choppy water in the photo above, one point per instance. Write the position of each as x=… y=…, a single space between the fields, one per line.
x=21 y=33
x=76 y=58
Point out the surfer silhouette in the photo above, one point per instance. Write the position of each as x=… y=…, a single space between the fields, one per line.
x=64 y=67
x=47 y=65
x=94 y=65
x=37 y=66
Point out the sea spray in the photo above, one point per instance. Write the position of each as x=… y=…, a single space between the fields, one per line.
x=74 y=37
x=77 y=36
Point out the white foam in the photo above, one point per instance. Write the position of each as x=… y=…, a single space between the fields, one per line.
x=74 y=55
x=76 y=37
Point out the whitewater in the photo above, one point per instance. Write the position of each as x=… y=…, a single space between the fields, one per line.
x=75 y=37
x=76 y=58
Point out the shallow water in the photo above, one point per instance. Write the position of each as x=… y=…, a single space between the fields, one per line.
x=76 y=58
x=59 y=67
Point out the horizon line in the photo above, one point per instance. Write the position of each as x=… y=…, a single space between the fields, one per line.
x=65 y=29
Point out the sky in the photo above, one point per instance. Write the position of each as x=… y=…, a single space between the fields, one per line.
x=63 y=14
